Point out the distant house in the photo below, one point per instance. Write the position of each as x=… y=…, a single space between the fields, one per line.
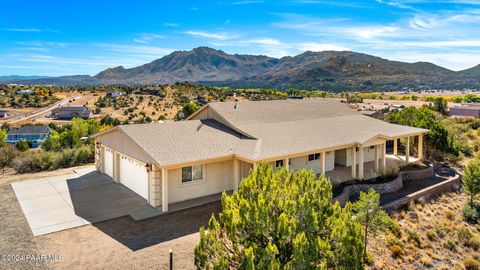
x=32 y=134
x=472 y=110
x=115 y=93
x=70 y=112
x=24 y=92
x=3 y=113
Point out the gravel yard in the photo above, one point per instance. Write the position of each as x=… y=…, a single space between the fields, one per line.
x=120 y=243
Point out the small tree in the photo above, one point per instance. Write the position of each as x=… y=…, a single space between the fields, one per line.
x=282 y=220
x=7 y=154
x=372 y=217
x=22 y=146
x=471 y=179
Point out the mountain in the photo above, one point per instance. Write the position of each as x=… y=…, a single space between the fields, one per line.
x=11 y=78
x=329 y=70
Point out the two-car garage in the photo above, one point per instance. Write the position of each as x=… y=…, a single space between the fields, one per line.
x=128 y=171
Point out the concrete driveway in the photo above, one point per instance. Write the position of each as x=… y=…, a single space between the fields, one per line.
x=61 y=202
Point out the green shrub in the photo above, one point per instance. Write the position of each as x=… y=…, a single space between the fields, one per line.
x=44 y=161
x=471 y=264
x=449 y=245
x=471 y=212
x=23 y=164
x=22 y=146
x=431 y=235
x=413 y=236
x=392 y=240
x=396 y=251
x=474 y=242
x=464 y=235
x=449 y=214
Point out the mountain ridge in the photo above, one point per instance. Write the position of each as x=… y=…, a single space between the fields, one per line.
x=328 y=70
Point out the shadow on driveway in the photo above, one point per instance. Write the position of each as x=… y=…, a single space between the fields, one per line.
x=137 y=235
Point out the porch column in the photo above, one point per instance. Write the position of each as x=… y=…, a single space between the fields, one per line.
x=236 y=182
x=286 y=164
x=323 y=163
x=384 y=156
x=164 y=190
x=361 y=161
x=407 y=151
x=395 y=146
x=354 y=162
x=420 y=146
x=376 y=158
x=255 y=165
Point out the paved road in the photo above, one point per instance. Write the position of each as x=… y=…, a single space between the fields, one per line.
x=45 y=110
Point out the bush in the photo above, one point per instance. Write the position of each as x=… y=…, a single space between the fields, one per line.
x=396 y=251
x=471 y=212
x=22 y=146
x=392 y=240
x=413 y=236
x=464 y=235
x=474 y=242
x=54 y=160
x=471 y=264
x=449 y=245
x=449 y=214
x=431 y=235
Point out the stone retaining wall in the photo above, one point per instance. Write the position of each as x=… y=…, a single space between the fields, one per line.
x=383 y=188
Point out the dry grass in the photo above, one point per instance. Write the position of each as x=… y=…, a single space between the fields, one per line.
x=438 y=239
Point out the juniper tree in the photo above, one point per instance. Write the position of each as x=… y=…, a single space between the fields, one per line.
x=282 y=220
x=471 y=179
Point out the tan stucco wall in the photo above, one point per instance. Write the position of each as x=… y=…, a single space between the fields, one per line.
x=120 y=142
x=315 y=165
x=218 y=177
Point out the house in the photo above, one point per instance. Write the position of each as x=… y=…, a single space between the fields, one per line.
x=3 y=113
x=69 y=112
x=116 y=93
x=24 y=92
x=472 y=110
x=35 y=135
x=192 y=161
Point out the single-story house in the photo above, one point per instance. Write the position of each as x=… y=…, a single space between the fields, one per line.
x=24 y=92
x=3 y=113
x=214 y=148
x=115 y=93
x=70 y=112
x=472 y=110
x=32 y=134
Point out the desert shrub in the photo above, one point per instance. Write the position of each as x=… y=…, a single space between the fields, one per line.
x=413 y=236
x=471 y=264
x=44 y=161
x=396 y=251
x=431 y=235
x=23 y=164
x=449 y=214
x=474 y=242
x=22 y=146
x=389 y=173
x=471 y=212
x=392 y=240
x=464 y=235
x=427 y=261
x=370 y=259
x=394 y=227
x=449 y=245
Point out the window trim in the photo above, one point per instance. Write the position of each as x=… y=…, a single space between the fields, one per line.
x=316 y=156
x=279 y=161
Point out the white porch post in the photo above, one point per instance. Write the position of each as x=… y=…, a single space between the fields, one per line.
x=384 y=155
x=361 y=162
x=407 y=151
x=255 y=165
x=395 y=146
x=354 y=162
x=420 y=146
x=323 y=163
x=164 y=190
x=286 y=164
x=236 y=182
x=376 y=158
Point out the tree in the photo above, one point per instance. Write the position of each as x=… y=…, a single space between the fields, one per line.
x=52 y=143
x=471 y=179
x=282 y=220
x=3 y=137
x=7 y=154
x=187 y=110
x=22 y=146
x=372 y=217
x=440 y=105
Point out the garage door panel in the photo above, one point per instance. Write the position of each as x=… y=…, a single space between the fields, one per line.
x=134 y=176
x=108 y=162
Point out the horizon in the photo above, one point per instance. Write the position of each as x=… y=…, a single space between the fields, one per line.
x=86 y=38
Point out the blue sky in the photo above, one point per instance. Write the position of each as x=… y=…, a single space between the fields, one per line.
x=84 y=37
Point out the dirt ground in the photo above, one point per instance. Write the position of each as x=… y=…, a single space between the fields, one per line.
x=115 y=244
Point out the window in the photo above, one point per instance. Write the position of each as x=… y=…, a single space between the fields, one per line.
x=192 y=173
x=314 y=157
x=279 y=163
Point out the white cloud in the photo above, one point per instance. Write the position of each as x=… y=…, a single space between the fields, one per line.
x=146 y=38
x=311 y=46
x=211 y=35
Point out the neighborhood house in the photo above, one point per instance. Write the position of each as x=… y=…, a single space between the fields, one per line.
x=35 y=135
x=70 y=112
x=472 y=110
x=187 y=161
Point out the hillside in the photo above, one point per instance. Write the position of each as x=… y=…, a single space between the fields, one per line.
x=329 y=70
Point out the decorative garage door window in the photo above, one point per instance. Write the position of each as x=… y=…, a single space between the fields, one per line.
x=192 y=173
x=133 y=161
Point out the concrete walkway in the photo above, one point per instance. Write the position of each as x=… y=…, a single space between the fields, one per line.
x=61 y=202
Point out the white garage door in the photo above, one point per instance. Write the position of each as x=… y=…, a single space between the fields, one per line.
x=108 y=162
x=133 y=174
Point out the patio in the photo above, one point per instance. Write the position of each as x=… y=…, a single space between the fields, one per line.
x=341 y=174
